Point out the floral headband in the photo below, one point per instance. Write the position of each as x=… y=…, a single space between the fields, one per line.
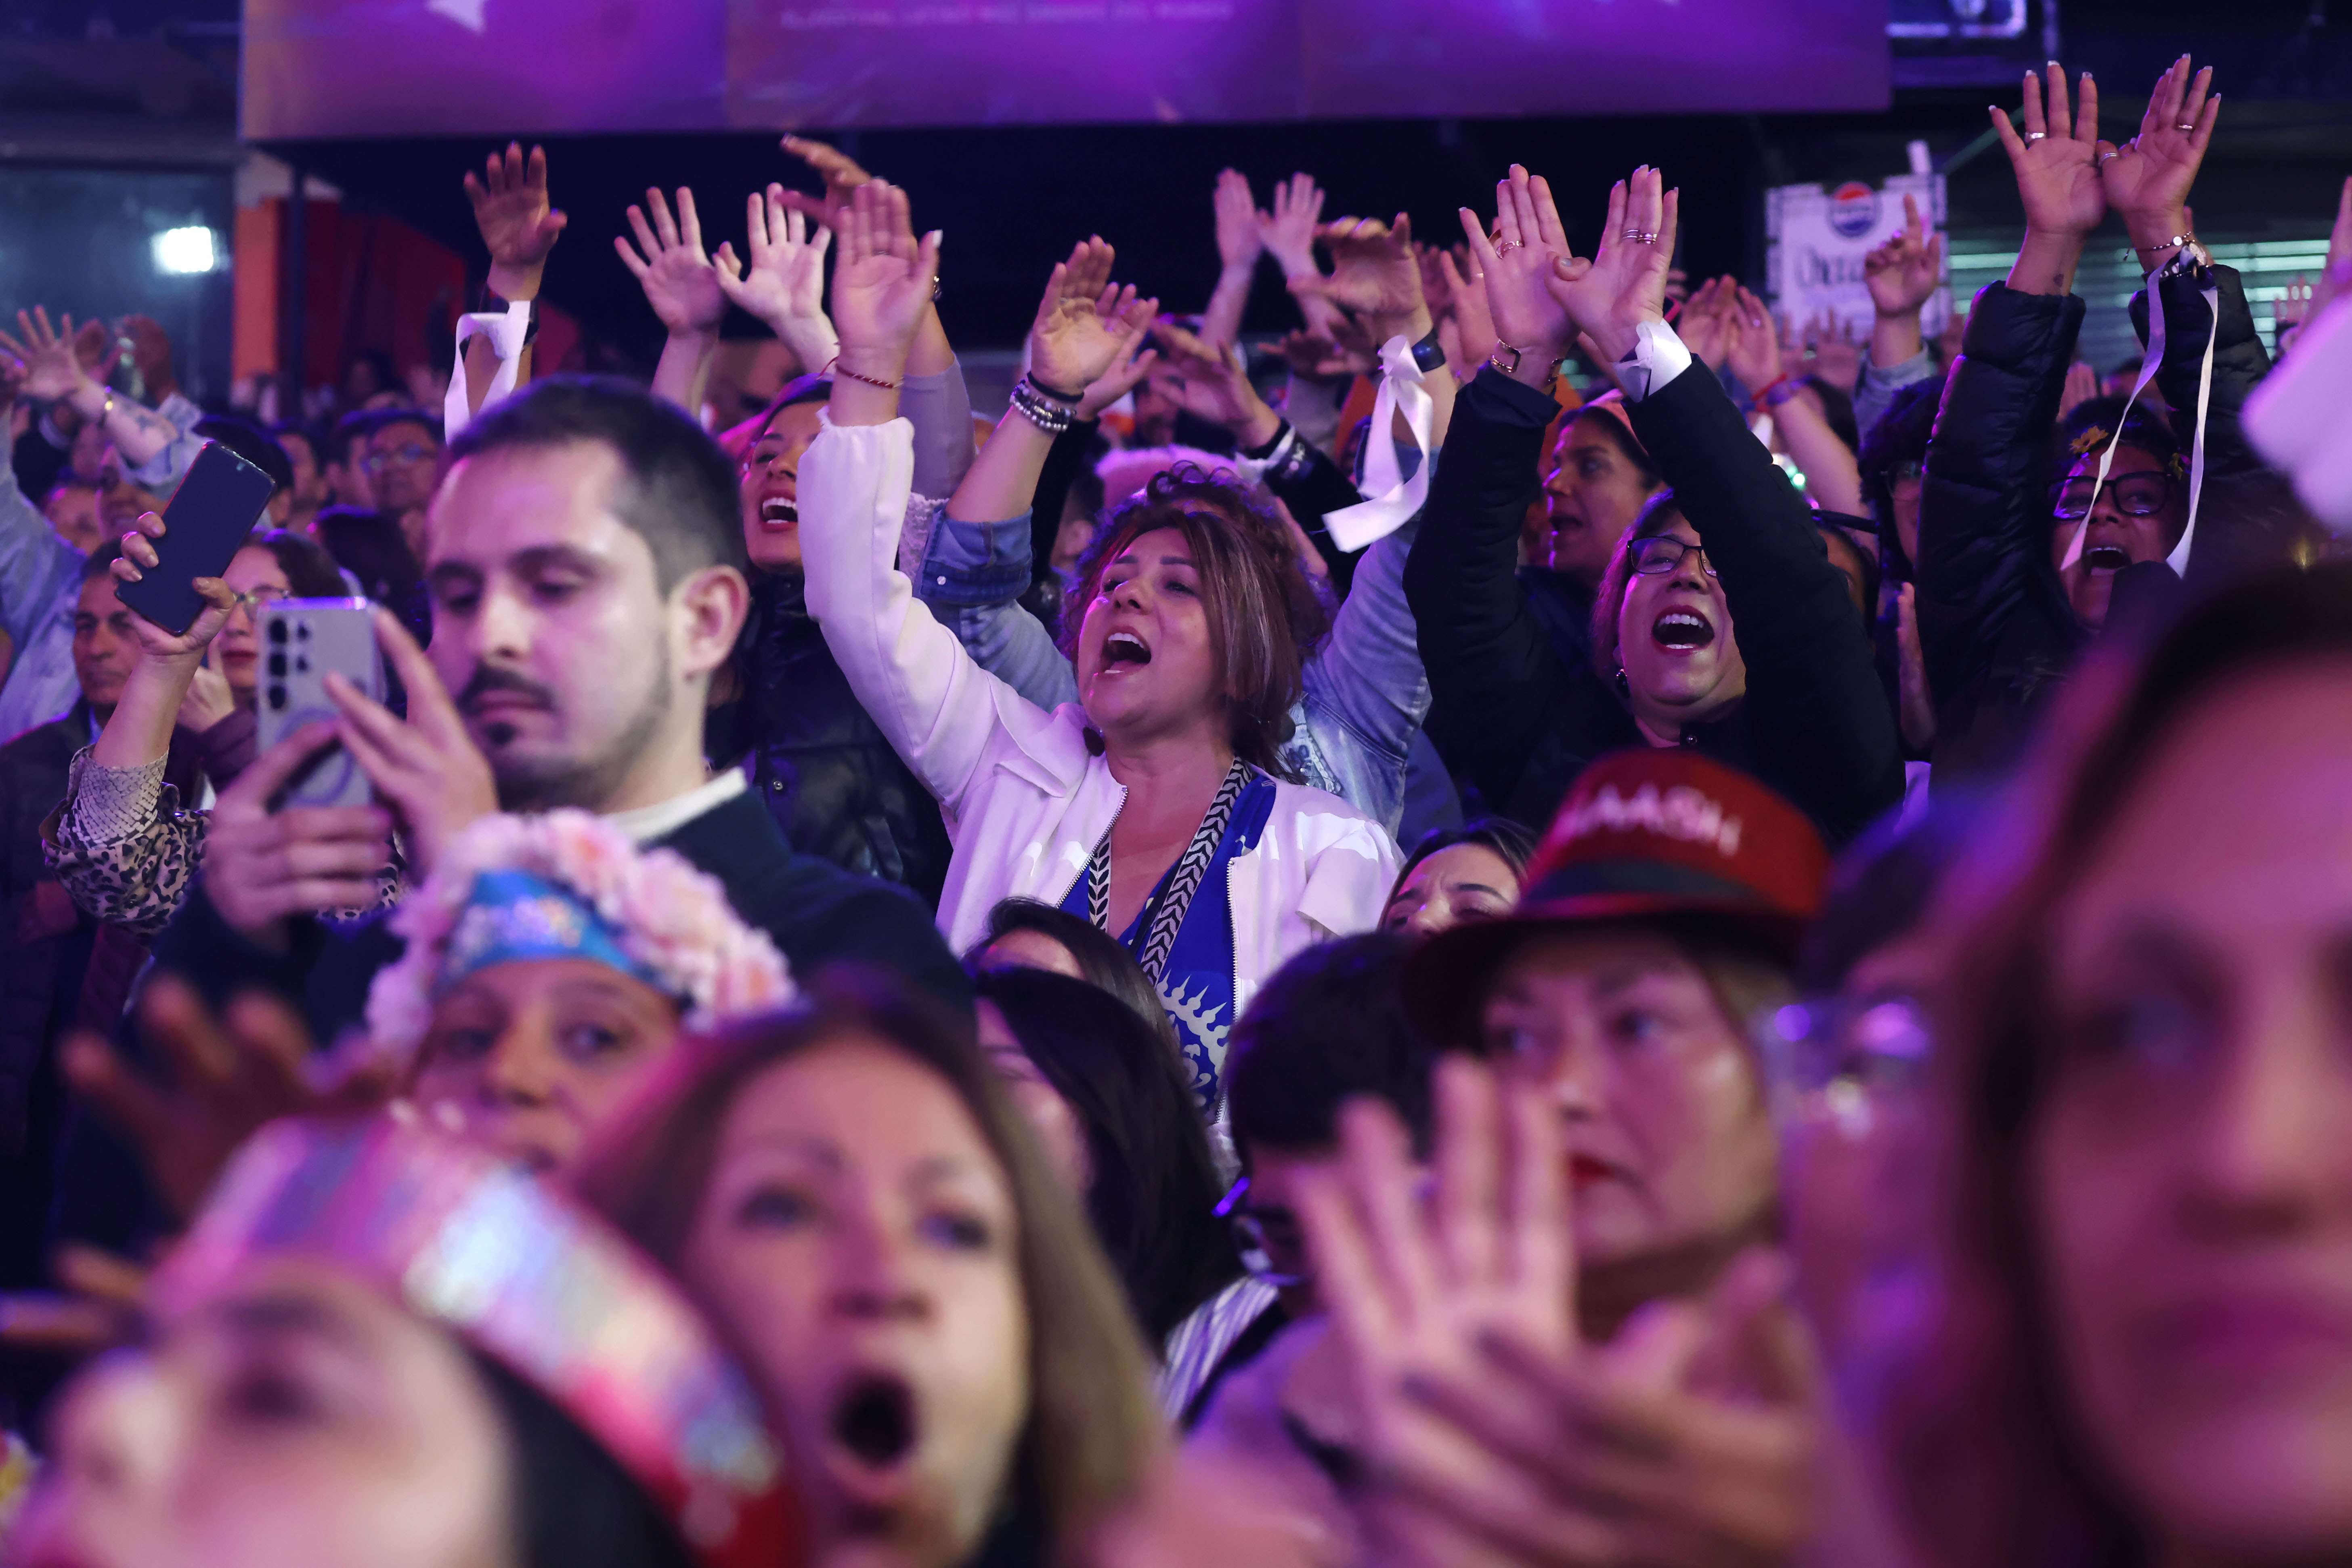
x=568 y=884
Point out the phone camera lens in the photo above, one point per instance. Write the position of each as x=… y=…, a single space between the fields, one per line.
x=277 y=700
x=302 y=664
x=276 y=631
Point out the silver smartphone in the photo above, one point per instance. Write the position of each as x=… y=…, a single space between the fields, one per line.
x=301 y=641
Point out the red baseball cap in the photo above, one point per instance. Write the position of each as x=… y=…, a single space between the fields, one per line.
x=1643 y=833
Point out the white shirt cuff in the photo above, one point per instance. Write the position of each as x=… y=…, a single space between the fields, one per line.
x=1657 y=358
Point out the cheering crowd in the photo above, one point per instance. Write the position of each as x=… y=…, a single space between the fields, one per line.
x=1346 y=955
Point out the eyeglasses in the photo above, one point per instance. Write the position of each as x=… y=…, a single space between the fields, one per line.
x=251 y=603
x=1910 y=471
x=1852 y=1057
x=414 y=452
x=1270 y=1244
x=2137 y=495
x=1655 y=557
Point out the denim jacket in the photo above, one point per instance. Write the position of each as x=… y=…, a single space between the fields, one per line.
x=1365 y=693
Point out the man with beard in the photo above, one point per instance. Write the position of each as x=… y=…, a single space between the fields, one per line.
x=586 y=564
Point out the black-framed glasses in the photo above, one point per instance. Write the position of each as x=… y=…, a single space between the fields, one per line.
x=1271 y=1245
x=1657 y=556
x=412 y=452
x=1909 y=471
x=2137 y=495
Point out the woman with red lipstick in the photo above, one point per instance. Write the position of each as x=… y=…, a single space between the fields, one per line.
x=2145 y=1351
x=1150 y=805
x=1793 y=697
x=1578 y=1348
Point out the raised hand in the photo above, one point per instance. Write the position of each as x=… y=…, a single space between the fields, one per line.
x=1902 y=273
x=1210 y=380
x=1414 y=1287
x=1083 y=321
x=2082 y=385
x=1317 y=356
x=1706 y=325
x=1373 y=273
x=2056 y=160
x=1288 y=232
x=1625 y=283
x=510 y=208
x=209 y=702
x=1128 y=366
x=1237 y=232
x=101 y=350
x=1473 y=320
x=785 y=281
x=426 y=764
x=52 y=367
x=882 y=281
x=225 y=1077
x=150 y=356
x=1752 y=346
x=1832 y=352
x=154 y=642
x=2146 y=179
x=678 y=280
x=842 y=176
x=1527 y=242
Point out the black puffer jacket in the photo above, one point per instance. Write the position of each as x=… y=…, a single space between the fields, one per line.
x=825 y=773
x=1520 y=722
x=1995 y=627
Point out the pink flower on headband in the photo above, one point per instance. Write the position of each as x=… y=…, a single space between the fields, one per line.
x=671 y=918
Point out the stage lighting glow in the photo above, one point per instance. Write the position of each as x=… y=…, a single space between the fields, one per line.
x=187 y=250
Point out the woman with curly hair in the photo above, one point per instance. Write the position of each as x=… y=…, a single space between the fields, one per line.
x=1152 y=804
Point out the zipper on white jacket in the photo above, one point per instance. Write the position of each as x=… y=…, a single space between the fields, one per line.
x=1105 y=842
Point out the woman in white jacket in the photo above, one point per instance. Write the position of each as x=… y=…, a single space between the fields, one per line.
x=1149 y=806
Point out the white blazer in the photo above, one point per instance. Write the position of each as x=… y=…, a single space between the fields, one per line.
x=1025 y=799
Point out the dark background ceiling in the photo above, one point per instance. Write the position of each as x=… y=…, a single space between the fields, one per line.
x=131 y=82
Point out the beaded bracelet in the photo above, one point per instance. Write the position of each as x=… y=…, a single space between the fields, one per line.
x=1051 y=417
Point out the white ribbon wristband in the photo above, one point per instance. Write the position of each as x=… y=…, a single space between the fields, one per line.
x=1394 y=498
x=508 y=332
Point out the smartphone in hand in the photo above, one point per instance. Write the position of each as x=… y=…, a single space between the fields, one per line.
x=302 y=640
x=210 y=517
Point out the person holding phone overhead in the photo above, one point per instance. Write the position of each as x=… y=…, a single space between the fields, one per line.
x=584 y=559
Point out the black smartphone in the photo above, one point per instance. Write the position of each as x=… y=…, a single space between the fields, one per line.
x=210 y=517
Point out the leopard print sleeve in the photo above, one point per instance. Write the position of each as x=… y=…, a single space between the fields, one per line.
x=125 y=851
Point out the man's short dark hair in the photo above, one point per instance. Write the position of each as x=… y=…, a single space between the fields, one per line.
x=1331 y=1025
x=102 y=560
x=679 y=491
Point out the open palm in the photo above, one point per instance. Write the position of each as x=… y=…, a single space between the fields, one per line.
x=2152 y=173
x=1624 y=284
x=785 y=280
x=52 y=369
x=1373 y=271
x=681 y=284
x=1529 y=240
x=2056 y=160
x=510 y=207
x=1083 y=321
x=883 y=282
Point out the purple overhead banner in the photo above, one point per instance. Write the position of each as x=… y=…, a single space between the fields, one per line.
x=381 y=68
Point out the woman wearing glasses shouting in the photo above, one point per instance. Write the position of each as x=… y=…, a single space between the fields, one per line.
x=1792 y=698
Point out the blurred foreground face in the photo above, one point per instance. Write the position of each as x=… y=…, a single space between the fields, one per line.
x=859 y=1241
x=295 y=1421
x=535 y=1053
x=2189 y=1173
x=1669 y=1143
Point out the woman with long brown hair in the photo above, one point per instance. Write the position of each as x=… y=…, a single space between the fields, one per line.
x=851 y=1195
x=2144 y=1354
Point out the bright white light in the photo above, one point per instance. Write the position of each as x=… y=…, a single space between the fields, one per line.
x=187 y=250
